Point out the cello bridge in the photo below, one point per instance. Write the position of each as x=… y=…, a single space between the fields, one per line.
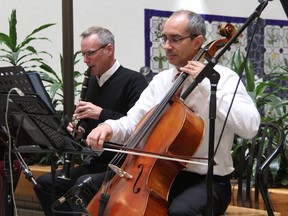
x=120 y=172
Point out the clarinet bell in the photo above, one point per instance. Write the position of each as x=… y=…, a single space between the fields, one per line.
x=65 y=173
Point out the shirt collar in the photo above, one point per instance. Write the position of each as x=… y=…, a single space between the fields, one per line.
x=175 y=74
x=105 y=76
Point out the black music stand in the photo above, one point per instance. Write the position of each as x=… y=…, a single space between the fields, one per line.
x=34 y=111
x=35 y=114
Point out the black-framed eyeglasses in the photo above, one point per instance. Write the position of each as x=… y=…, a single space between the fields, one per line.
x=174 y=40
x=92 y=52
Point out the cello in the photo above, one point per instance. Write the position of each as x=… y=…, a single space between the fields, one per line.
x=142 y=184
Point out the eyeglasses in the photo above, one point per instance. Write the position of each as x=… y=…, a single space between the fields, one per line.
x=174 y=40
x=92 y=52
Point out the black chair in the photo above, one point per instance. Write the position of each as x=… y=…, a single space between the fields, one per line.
x=257 y=154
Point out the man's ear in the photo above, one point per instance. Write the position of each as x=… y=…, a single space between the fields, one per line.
x=198 y=41
x=110 y=48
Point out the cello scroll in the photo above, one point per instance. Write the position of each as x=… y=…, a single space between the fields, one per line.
x=228 y=31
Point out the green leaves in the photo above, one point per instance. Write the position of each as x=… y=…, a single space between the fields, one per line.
x=22 y=53
x=238 y=63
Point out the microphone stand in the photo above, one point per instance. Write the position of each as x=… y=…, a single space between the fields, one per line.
x=25 y=169
x=206 y=72
x=214 y=78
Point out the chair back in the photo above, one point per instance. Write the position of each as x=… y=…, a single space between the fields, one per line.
x=255 y=156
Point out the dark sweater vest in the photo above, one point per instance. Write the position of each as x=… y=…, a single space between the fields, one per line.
x=116 y=96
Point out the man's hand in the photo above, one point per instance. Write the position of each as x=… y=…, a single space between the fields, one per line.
x=99 y=135
x=87 y=110
x=80 y=130
x=193 y=68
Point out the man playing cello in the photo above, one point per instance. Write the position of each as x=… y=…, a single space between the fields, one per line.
x=182 y=37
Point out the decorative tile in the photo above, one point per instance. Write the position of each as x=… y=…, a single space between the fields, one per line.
x=269 y=47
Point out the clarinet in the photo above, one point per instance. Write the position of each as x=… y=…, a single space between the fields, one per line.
x=65 y=173
x=75 y=122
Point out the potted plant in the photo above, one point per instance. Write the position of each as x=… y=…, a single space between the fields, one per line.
x=266 y=91
x=23 y=53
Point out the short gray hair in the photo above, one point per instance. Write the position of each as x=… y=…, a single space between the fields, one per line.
x=105 y=36
x=196 y=24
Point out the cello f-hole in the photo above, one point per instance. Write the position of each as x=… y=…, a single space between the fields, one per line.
x=137 y=190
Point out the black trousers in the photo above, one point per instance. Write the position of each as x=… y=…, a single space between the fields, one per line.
x=188 y=195
x=77 y=175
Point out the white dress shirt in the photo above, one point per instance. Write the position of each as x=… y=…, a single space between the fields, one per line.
x=243 y=120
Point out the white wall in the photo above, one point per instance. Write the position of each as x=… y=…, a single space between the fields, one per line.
x=125 y=18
